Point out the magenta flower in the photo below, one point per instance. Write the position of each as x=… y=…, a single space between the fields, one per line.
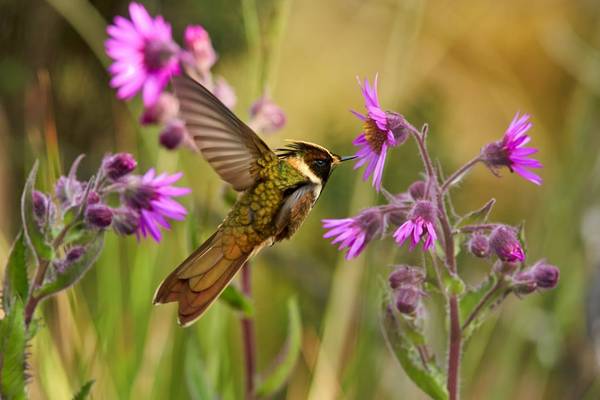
x=266 y=116
x=144 y=53
x=356 y=232
x=511 y=151
x=152 y=197
x=420 y=224
x=381 y=131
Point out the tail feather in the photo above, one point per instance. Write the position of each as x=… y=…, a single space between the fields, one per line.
x=201 y=278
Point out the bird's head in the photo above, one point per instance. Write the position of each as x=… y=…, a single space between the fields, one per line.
x=316 y=158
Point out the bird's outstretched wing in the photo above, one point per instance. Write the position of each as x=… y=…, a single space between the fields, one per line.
x=229 y=145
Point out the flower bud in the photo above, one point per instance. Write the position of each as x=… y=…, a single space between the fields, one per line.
x=173 y=134
x=224 y=92
x=407 y=299
x=98 y=215
x=41 y=203
x=73 y=255
x=266 y=116
x=125 y=221
x=546 y=275
x=163 y=110
x=479 y=245
x=524 y=282
x=417 y=190
x=68 y=190
x=398 y=125
x=118 y=165
x=504 y=242
x=198 y=42
x=406 y=275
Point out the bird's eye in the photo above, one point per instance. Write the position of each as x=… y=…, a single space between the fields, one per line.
x=319 y=163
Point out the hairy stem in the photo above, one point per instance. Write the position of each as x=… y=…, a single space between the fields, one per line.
x=454 y=345
x=248 y=336
x=458 y=173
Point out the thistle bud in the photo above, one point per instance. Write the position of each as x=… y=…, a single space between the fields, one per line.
x=267 y=117
x=98 y=215
x=407 y=299
x=118 y=165
x=546 y=275
x=398 y=125
x=73 y=255
x=173 y=134
x=479 y=245
x=504 y=242
x=524 y=282
x=406 y=275
x=41 y=203
x=417 y=190
x=163 y=110
x=125 y=221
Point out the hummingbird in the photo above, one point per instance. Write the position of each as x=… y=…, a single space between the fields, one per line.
x=278 y=191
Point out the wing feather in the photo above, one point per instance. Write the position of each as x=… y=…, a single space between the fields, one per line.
x=229 y=145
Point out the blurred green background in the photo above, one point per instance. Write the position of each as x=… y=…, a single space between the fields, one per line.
x=464 y=67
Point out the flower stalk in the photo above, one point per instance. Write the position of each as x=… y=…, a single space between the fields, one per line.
x=248 y=335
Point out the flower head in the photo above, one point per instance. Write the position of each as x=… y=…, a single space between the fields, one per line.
x=224 y=92
x=198 y=43
x=405 y=275
x=152 y=197
x=420 y=224
x=479 y=245
x=126 y=220
x=511 y=152
x=356 y=232
x=144 y=54
x=381 y=130
x=504 y=242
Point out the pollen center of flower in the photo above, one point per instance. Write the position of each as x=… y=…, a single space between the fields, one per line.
x=158 y=53
x=375 y=136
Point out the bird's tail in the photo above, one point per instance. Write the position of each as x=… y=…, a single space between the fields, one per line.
x=201 y=278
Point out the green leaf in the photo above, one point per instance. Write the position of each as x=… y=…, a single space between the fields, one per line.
x=195 y=373
x=471 y=300
x=400 y=340
x=235 y=299
x=478 y=216
x=286 y=360
x=13 y=341
x=84 y=392
x=34 y=236
x=75 y=271
x=16 y=284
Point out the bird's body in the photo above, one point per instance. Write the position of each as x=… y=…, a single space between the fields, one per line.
x=278 y=192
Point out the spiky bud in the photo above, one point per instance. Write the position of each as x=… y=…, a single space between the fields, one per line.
x=98 y=215
x=406 y=275
x=504 y=242
x=479 y=245
x=524 y=282
x=417 y=190
x=173 y=134
x=546 y=275
x=118 y=165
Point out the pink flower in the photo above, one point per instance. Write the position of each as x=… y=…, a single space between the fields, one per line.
x=381 y=131
x=511 y=151
x=420 y=224
x=198 y=43
x=266 y=116
x=144 y=54
x=356 y=232
x=152 y=197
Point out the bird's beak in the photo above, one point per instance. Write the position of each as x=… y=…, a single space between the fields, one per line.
x=347 y=158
